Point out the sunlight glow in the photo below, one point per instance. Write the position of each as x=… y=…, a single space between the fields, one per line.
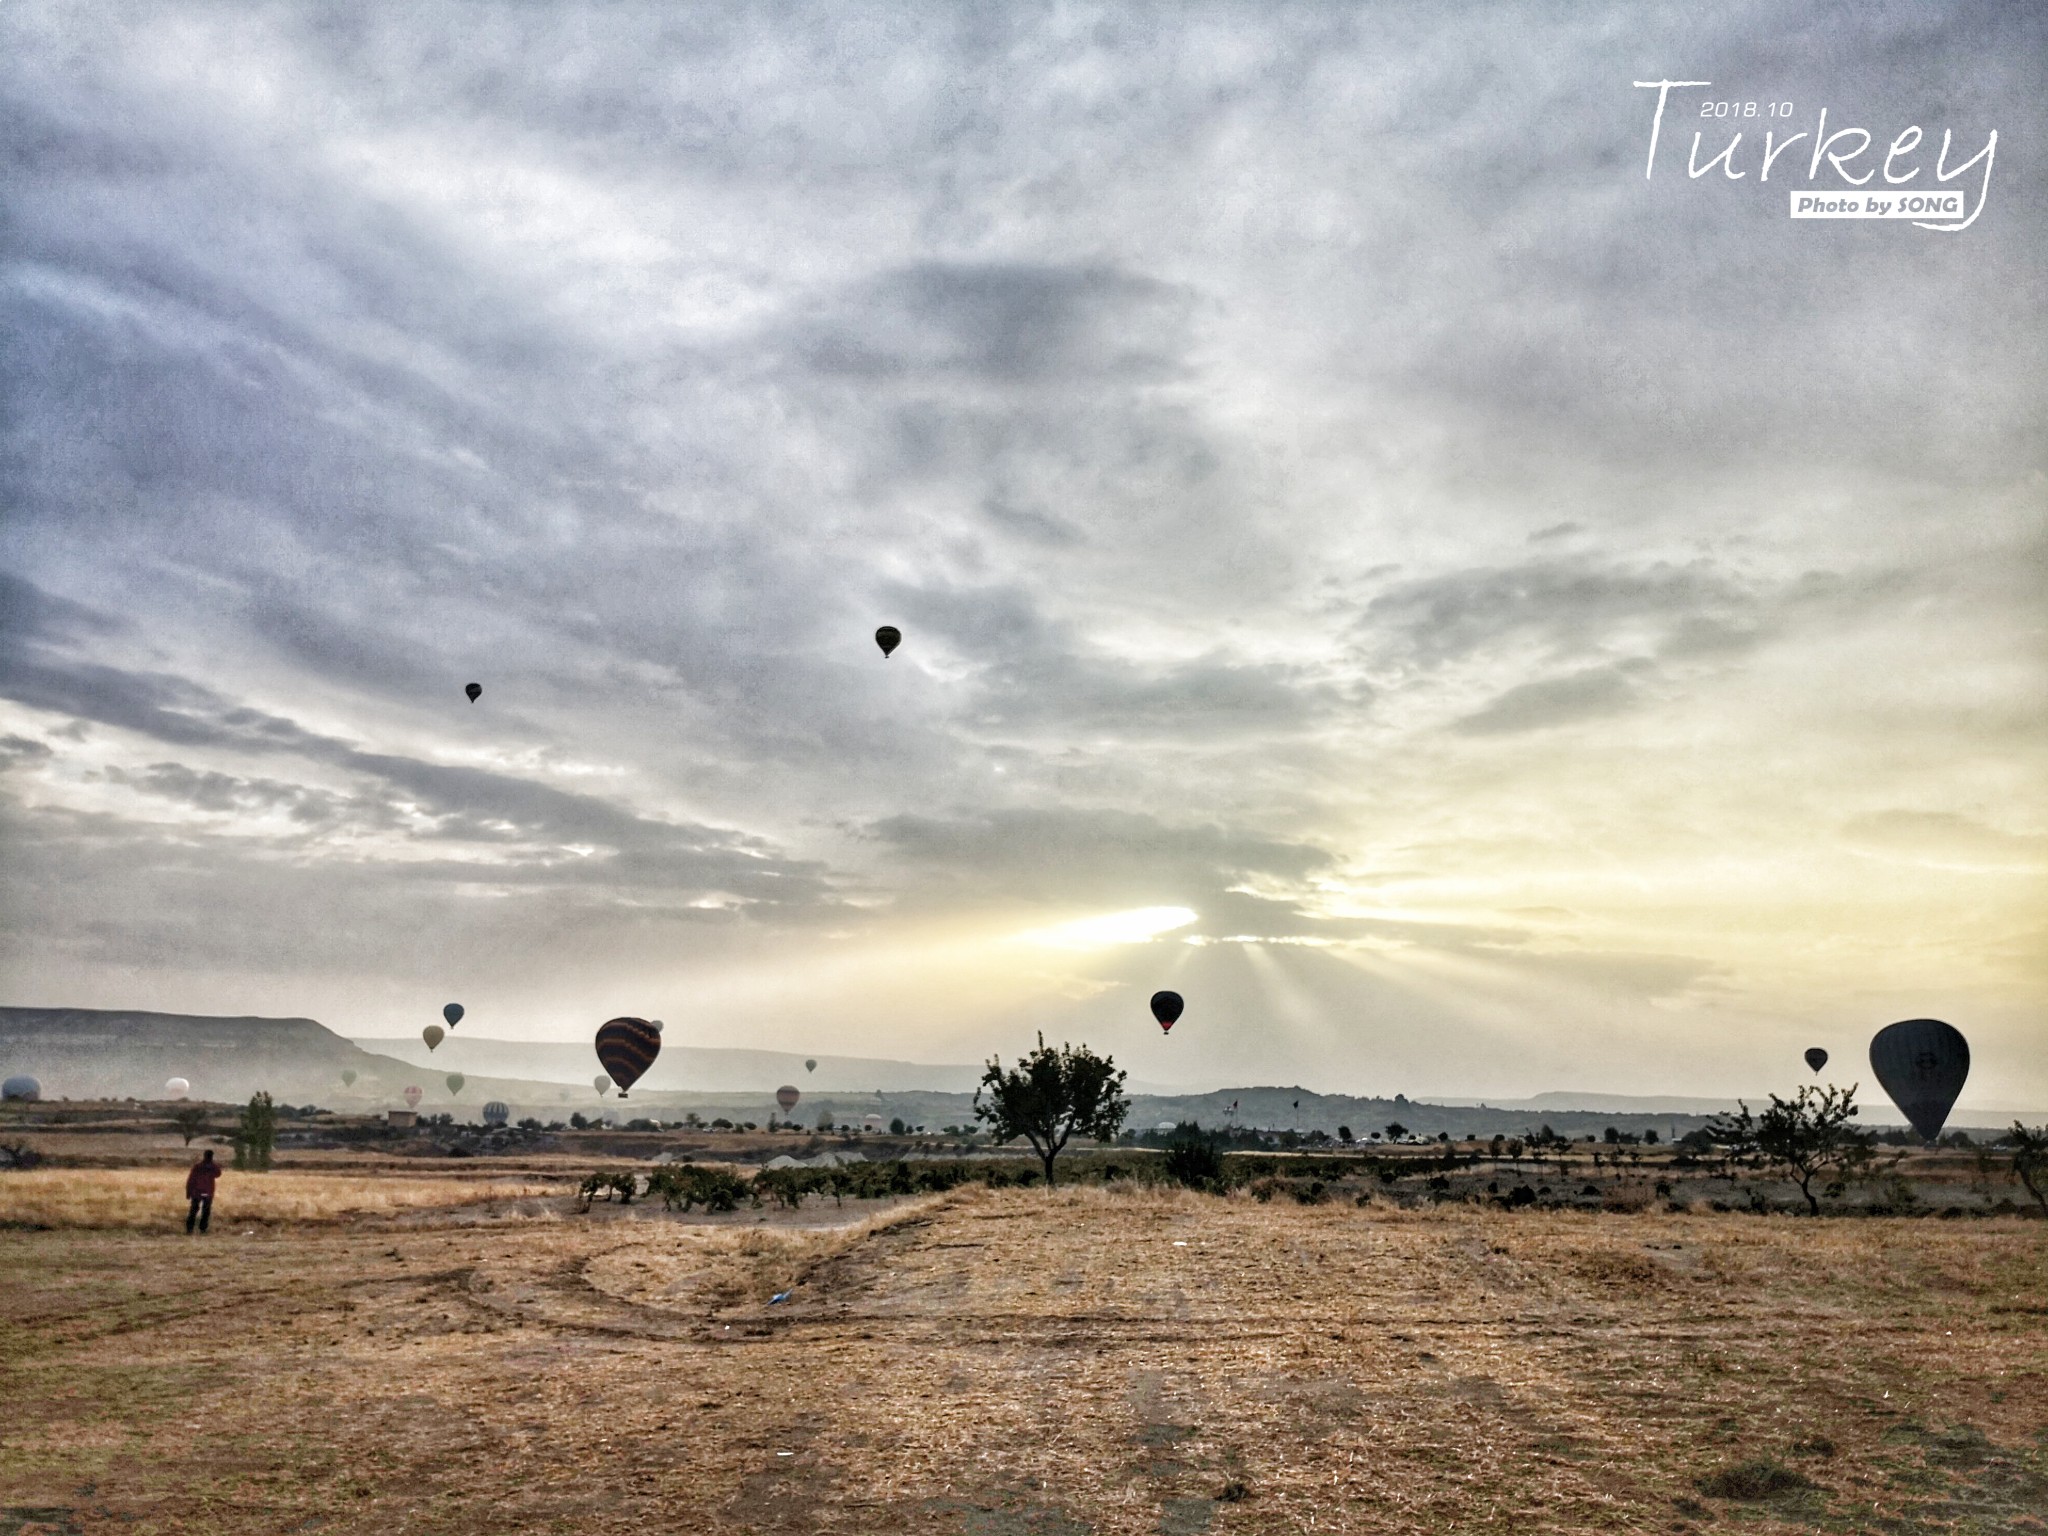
x=1134 y=927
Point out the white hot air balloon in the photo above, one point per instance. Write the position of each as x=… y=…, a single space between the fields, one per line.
x=177 y=1088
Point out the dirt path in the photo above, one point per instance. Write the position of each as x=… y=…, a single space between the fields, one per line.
x=1021 y=1365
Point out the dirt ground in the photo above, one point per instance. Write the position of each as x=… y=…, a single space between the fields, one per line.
x=1019 y=1363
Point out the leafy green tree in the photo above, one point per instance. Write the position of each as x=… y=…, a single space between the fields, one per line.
x=256 y=1137
x=190 y=1121
x=1806 y=1137
x=2030 y=1161
x=1050 y=1096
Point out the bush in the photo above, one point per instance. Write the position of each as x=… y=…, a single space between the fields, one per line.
x=1193 y=1161
x=610 y=1182
x=686 y=1185
x=1754 y=1480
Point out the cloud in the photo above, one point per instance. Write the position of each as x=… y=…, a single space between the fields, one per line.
x=1945 y=840
x=1250 y=416
x=1101 y=857
x=1593 y=694
x=1565 y=609
x=1009 y=323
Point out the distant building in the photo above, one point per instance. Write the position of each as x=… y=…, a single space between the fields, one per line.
x=401 y=1119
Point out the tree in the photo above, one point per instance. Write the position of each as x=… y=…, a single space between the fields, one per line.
x=1344 y=1134
x=190 y=1121
x=256 y=1137
x=1806 y=1136
x=1192 y=1159
x=2030 y=1161
x=1396 y=1131
x=1051 y=1095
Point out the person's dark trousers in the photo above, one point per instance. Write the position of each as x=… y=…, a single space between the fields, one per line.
x=201 y=1212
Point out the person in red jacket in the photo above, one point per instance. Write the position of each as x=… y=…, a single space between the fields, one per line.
x=199 y=1185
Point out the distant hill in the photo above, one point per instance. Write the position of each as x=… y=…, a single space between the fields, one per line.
x=680 y=1068
x=82 y=1053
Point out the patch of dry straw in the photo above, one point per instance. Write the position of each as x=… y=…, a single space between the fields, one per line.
x=723 y=1267
x=131 y=1198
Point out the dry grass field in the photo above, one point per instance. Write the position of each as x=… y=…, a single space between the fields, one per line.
x=1018 y=1363
x=137 y=1198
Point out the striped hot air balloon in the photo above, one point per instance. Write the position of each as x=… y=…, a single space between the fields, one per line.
x=626 y=1048
x=496 y=1112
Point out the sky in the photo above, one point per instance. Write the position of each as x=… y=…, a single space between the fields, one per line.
x=1474 y=606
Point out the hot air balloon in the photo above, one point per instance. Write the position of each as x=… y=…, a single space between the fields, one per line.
x=412 y=1095
x=1922 y=1064
x=600 y=1083
x=627 y=1047
x=452 y=1012
x=1816 y=1058
x=177 y=1088
x=433 y=1034
x=24 y=1088
x=888 y=637
x=786 y=1096
x=455 y=1081
x=348 y=1077
x=474 y=690
x=1166 y=1008
x=496 y=1113
x=810 y=1066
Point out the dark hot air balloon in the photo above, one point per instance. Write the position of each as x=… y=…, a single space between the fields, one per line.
x=888 y=637
x=1816 y=1058
x=1922 y=1064
x=452 y=1012
x=348 y=1077
x=786 y=1096
x=474 y=690
x=810 y=1066
x=496 y=1112
x=627 y=1048
x=455 y=1081
x=433 y=1034
x=1166 y=1008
